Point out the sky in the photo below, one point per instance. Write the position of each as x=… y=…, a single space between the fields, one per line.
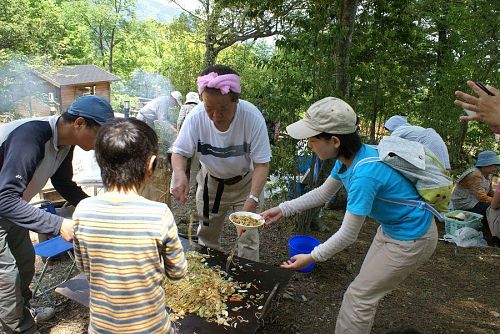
x=187 y=4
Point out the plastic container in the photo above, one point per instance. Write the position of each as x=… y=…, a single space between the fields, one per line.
x=451 y=224
x=49 y=207
x=303 y=244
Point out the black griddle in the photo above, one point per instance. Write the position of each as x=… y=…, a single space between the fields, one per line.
x=267 y=280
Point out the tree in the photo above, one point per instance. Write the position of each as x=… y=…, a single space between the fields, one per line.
x=228 y=22
x=32 y=27
x=347 y=14
x=108 y=22
x=305 y=66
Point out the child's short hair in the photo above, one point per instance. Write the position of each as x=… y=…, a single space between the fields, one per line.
x=123 y=150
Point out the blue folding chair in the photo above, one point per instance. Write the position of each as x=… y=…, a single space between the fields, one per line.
x=50 y=249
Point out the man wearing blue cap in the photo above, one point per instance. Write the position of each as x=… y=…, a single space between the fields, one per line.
x=31 y=152
x=473 y=191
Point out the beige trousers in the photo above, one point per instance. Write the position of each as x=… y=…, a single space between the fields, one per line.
x=233 y=198
x=387 y=264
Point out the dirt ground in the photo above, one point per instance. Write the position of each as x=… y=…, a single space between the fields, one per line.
x=457 y=291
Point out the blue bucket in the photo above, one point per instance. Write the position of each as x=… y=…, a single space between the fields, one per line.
x=303 y=244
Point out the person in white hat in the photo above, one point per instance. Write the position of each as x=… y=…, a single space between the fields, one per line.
x=398 y=126
x=407 y=235
x=163 y=109
x=473 y=190
x=192 y=99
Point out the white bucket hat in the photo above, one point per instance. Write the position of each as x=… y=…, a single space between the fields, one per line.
x=395 y=122
x=192 y=97
x=177 y=96
x=330 y=115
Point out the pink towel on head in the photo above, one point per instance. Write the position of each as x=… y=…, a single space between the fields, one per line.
x=224 y=83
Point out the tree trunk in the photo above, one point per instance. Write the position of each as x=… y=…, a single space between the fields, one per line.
x=210 y=37
x=346 y=27
x=376 y=108
x=111 y=45
x=305 y=219
x=346 y=16
x=210 y=54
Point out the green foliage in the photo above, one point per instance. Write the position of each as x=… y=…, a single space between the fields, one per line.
x=108 y=23
x=182 y=53
x=407 y=57
x=34 y=27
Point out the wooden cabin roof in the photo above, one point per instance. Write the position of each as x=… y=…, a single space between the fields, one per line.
x=77 y=75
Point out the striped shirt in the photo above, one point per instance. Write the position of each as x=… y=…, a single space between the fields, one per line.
x=121 y=241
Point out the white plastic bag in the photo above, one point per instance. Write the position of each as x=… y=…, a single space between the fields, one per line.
x=466 y=237
x=85 y=167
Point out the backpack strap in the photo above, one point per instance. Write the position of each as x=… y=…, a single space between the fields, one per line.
x=417 y=204
x=364 y=162
x=409 y=202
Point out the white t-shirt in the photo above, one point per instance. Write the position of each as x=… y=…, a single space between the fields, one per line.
x=161 y=108
x=230 y=153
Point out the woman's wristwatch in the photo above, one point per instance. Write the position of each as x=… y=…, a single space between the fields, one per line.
x=255 y=198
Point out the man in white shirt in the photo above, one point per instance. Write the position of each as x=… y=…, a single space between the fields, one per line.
x=230 y=136
x=162 y=109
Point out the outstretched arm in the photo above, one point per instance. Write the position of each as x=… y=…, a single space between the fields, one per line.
x=345 y=236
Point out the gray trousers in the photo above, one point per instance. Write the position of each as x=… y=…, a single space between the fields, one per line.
x=17 y=268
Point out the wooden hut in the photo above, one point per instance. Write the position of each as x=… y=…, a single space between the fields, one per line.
x=57 y=89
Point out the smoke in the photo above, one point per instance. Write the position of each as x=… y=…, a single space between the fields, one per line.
x=145 y=85
x=17 y=81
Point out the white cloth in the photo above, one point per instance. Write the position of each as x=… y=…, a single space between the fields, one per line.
x=85 y=167
x=395 y=122
x=427 y=137
x=230 y=153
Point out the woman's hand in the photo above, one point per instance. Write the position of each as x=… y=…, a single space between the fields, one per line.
x=297 y=262
x=272 y=215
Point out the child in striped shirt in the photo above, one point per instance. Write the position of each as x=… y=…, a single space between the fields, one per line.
x=124 y=243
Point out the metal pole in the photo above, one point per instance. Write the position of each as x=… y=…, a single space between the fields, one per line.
x=126 y=109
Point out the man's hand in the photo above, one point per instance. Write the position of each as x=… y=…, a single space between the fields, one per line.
x=66 y=231
x=180 y=189
x=250 y=205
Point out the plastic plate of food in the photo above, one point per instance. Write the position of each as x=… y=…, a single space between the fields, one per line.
x=246 y=220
